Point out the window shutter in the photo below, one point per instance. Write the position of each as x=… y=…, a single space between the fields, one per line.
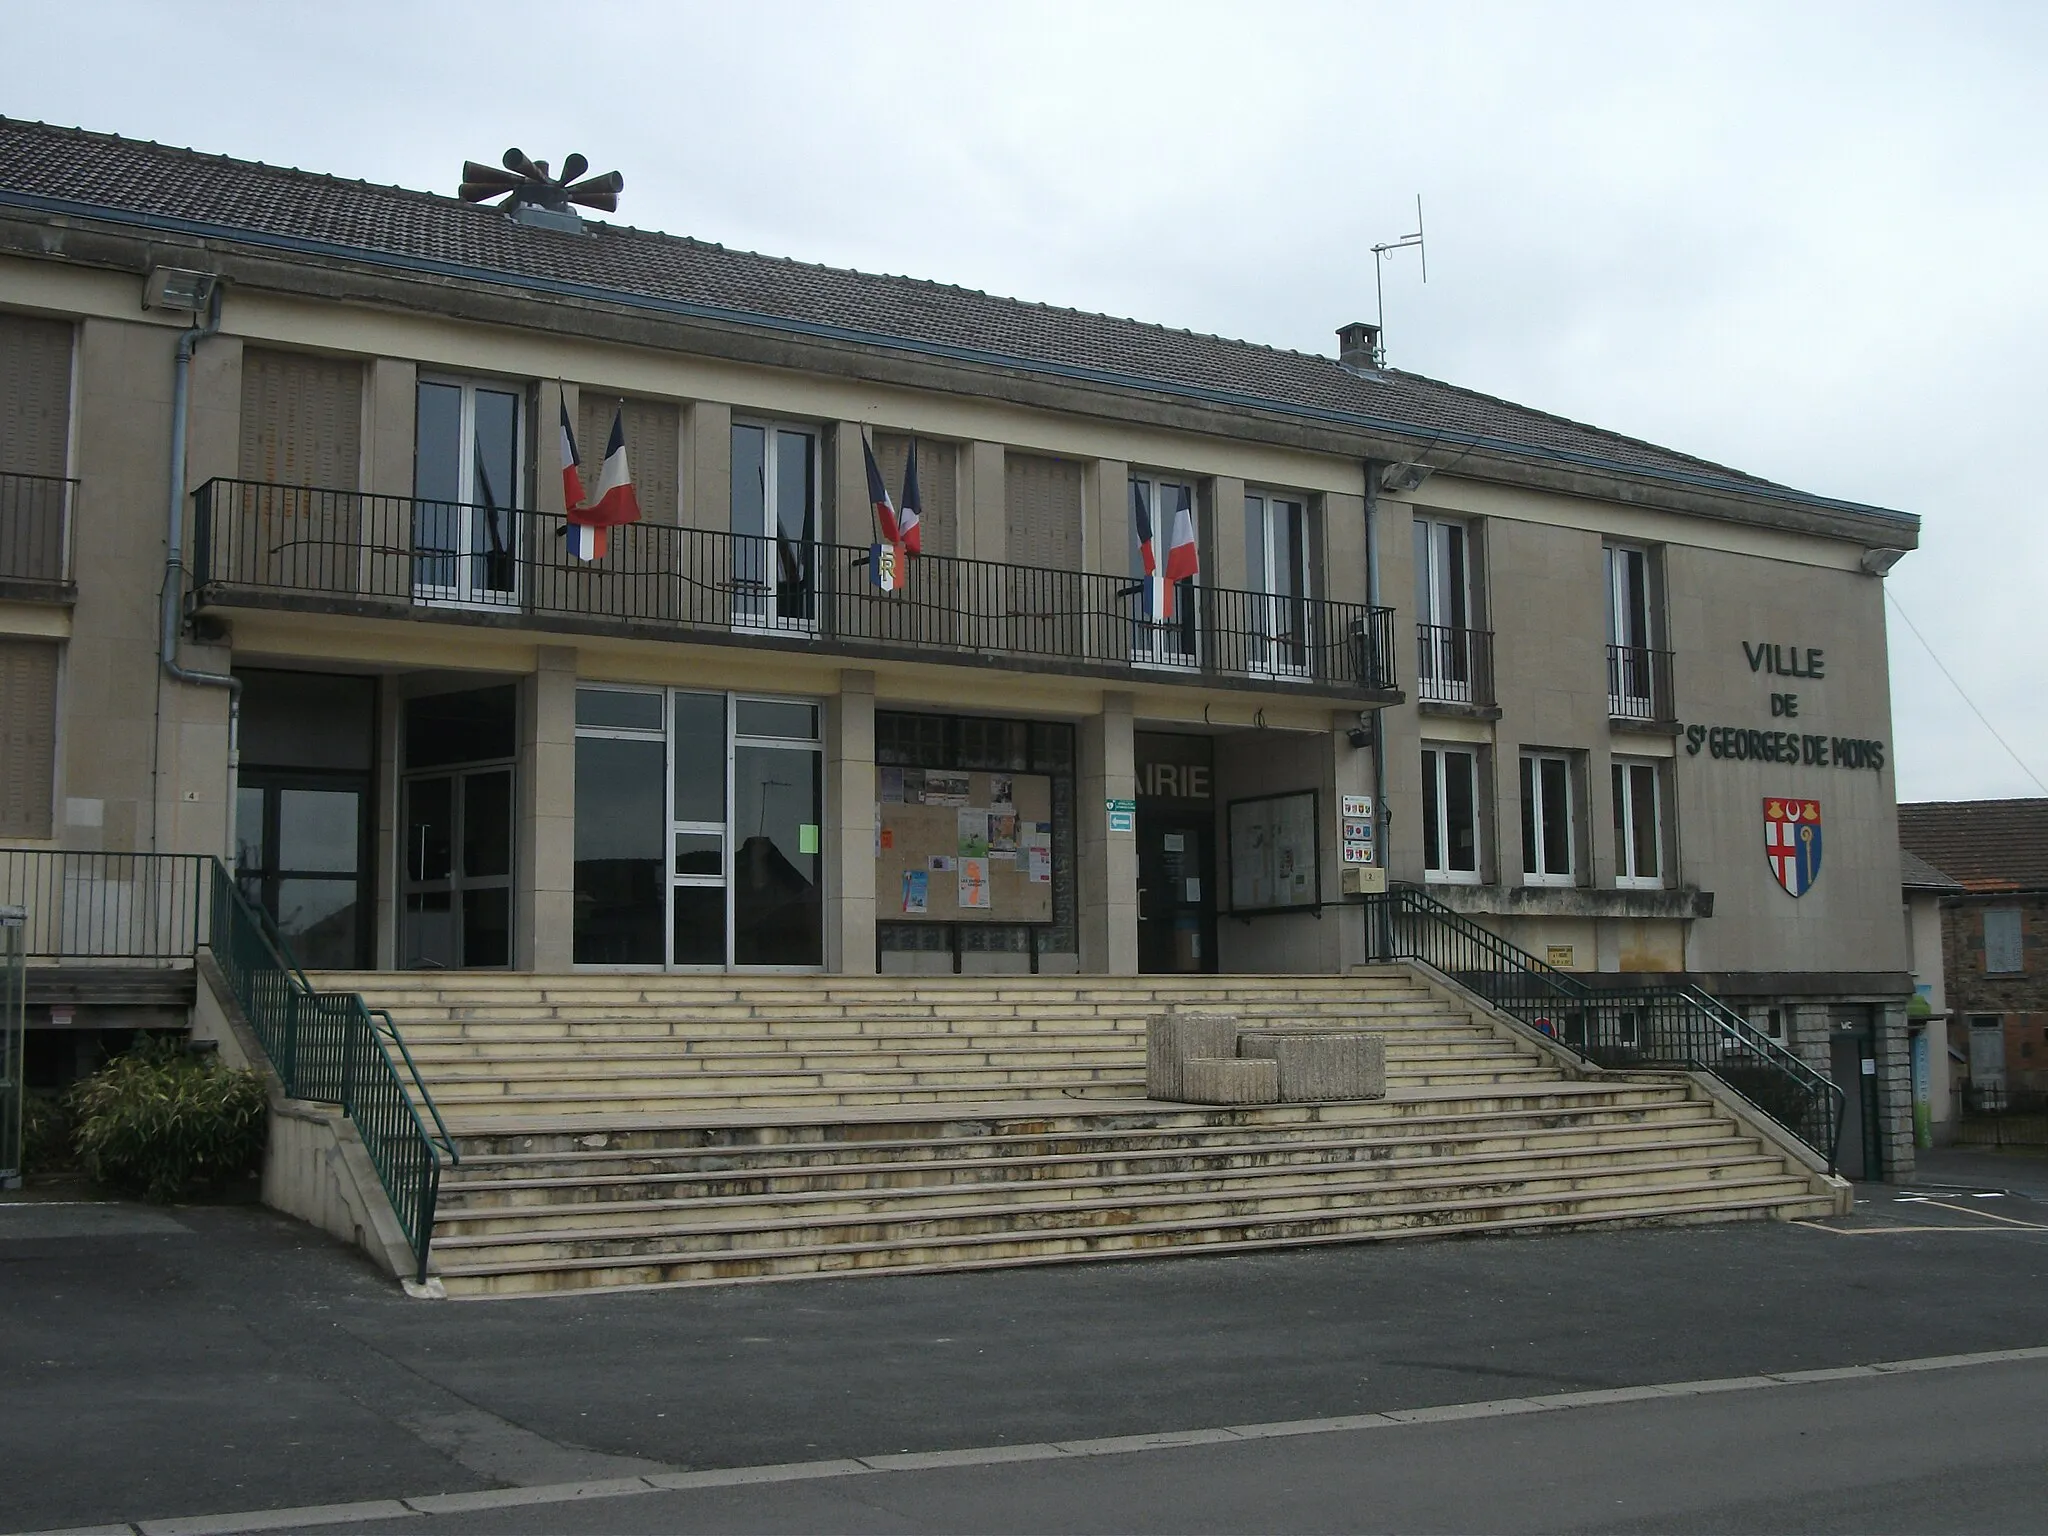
x=2002 y=941
x=302 y=420
x=28 y=736
x=35 y=395
x=653 y=432
x=938 y=480
x=1042 y=512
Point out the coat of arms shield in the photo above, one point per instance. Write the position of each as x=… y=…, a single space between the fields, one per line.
x=1792 y=842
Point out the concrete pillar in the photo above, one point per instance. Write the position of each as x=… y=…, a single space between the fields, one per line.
x=707 y=466
x=546 y=860
x=1222 y=535
x=547 y=427
x=1109 y=860
x=848 y=518
x=389 y=406
x=389 y=859
x=984 y=504
x=1106 y=518
x=1895 y=1088
x=850 y=826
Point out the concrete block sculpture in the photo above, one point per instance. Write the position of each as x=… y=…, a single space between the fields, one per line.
x=1173 y=1039
x=1321 y=1064
x=1230 y=1080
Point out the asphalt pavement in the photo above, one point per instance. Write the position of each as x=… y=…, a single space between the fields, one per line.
x=202 y=1361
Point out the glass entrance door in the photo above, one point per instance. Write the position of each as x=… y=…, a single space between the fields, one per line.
x=1176 y=893
x=457 y=907
x=301 y=852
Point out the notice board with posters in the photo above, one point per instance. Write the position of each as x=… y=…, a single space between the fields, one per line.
x=956 y=846
x=1273 y=842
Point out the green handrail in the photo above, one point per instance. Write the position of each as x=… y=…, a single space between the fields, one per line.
x=1634 y=1027
x=331 y=1047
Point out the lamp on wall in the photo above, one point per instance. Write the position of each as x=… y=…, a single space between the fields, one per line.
x=178 y=288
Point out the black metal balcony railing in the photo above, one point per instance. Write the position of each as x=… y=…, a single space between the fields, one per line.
x=1639 y=683
x=35 y=529
x=259 y=541
x=1454 y=666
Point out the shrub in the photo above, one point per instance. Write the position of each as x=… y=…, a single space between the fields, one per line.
x=46 y=1133
x=163 y=1123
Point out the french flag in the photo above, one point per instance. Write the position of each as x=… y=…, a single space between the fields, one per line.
x=572 y=464
x=1181 y=562
x=886 y=558
x=913 y=506
x=615 y=502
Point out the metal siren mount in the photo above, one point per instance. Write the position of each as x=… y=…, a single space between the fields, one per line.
x=532 y=196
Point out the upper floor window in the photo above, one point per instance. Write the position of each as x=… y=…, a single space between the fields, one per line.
x=775 y=525
x=1638 y=824
x=2003 y=954
x=1444 y=612
x=1450 y=814
x=1162 y=598
x=467 y=452
x=1276 y=569
x=1547 y=819
x=1637 y=681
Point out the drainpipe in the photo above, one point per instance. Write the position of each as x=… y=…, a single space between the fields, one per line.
x=1383 y=814
x=173 y=597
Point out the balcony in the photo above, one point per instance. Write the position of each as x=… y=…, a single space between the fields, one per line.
x=1454 y=666
x=1639 y=685
x=35 y=538
x=274 y=546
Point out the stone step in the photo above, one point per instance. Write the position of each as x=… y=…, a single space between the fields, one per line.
x=717 y=1149
x=1126 y=1171
x=603 y=1228
x=1424 y=1212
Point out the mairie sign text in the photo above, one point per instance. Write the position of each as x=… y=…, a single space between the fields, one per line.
x=1739 y=744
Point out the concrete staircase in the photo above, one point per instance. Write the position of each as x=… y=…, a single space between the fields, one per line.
x=662 y=1130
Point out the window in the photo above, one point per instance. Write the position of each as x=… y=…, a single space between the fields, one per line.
x=2002 y=951
x=1450 y=814
x=1443 y=612
x=1769 y=1022
x=698 y=836
x=1547 y=818
x=1632 y=659
x=1162 y=612
x=28 y=736
x=1638 y=824
x=774 y=526
x=1276 y=568
x=467 y=456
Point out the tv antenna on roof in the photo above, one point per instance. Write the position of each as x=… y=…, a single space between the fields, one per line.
x=1381 y=254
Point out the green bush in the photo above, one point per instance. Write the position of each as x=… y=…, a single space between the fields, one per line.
x=163 y=1123
x=47 y=1133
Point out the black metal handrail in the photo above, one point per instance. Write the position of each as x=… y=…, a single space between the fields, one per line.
x=35 y=528
x=1453 y=665
x=331 y=1048
x=107 y=906
x=1639 y=684
x=1637 y=1027
x=415 y=555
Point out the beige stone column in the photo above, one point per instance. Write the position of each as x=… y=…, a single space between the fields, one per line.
x=545 y=865
x=847 y=518
x=1106 y=518
x=1109 y=860
x=849 y=863
x=1222 y=534
x=389 y=408
x=707 y=466
x=984 y=504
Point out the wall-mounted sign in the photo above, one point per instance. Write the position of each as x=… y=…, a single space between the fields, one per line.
x=1123 y=815
x=1792 y=842
x=1358 y=853
x=1273 y=852
x=1559 y=955
x=1355 y=807
x=1736 y=744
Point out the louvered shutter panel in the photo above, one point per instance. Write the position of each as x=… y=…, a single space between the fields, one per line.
x=938 y=479
x=302 y=420
x=35 y=395
x=1042 y=512
x=653 y=435
x=28 y=736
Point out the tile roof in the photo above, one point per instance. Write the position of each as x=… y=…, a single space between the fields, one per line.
x=1985 y=845
x=100 y=175
x=1916 y=874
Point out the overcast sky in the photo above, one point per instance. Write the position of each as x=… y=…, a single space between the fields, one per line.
x=1809 y=241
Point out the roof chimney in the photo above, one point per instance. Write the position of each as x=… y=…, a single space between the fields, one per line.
x=1358 y=347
